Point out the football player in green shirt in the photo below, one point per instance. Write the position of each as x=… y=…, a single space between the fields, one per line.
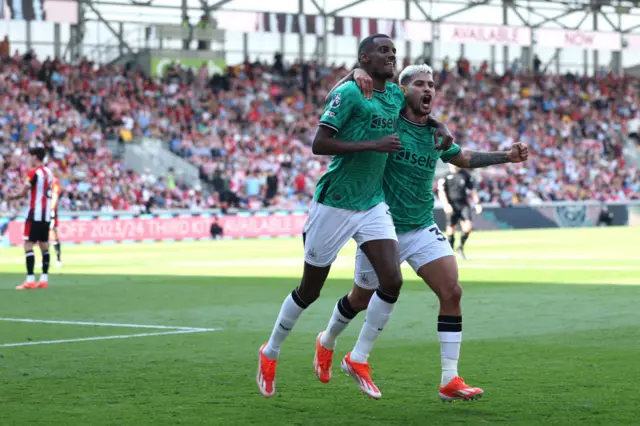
x=349 y=203
x=408 y=188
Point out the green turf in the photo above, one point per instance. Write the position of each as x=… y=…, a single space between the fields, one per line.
x=551 y=334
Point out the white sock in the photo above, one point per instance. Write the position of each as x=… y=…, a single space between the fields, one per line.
x=31 y=278
x=449 y=353
x=44 y=278
x=289 y=314
x=378 y=314
x=337 y=325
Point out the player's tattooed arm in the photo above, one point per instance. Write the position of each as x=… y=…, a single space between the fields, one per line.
x=475 y=159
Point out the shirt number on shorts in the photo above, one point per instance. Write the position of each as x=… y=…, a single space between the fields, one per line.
x=439 y=235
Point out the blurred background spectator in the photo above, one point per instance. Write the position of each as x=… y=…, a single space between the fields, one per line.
x=249 y=131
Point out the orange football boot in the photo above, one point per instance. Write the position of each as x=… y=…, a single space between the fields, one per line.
x=322 y=361
x=27 y=286
x=361 y=373
x=457 y=390
x=266 y=377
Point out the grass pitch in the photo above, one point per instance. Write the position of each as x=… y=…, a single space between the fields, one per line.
x=551 y=332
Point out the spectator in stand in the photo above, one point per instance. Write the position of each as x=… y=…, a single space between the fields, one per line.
x=249 y=130
x=537 y=63
x=5 y=48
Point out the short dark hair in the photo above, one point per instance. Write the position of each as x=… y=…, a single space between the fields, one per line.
x=368 y=42
x=39 y=152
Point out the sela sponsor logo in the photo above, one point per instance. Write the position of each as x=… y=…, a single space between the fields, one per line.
x=381 y=123
x=415 y=159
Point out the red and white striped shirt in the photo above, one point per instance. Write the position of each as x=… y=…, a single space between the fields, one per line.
x=39 y=181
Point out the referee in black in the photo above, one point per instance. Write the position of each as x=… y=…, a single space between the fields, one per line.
x=454 y=191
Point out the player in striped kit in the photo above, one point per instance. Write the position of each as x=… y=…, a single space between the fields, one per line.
x=36 y=228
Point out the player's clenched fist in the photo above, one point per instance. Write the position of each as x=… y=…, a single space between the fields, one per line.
x=390 y=143
x=519 y=153
x=443 y=138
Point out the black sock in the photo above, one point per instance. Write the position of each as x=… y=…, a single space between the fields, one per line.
x=386 y=297
x=449 y=323
x=345 y=308
x=452 y=239
x=298 y=300
x=58 y=249
x=45 y=261
x=31 y=261
x=463 y=239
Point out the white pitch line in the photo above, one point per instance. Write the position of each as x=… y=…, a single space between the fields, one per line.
x=563 y=257
x=551 y=267
x=108 y=324
x=122 y=336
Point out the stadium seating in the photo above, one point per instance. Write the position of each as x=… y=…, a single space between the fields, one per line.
x=249 y=132
x=257 y=125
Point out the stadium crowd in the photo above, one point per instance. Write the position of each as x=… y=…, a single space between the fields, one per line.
x=249 y=131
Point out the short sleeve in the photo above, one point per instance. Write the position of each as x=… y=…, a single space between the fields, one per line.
x=451 y=153
x=342 y=105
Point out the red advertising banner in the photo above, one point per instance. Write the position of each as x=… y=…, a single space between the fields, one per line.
x=485 y=34
x=579 y=39
x=168 y=228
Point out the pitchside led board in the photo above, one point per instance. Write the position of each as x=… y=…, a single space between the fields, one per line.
x=59 y=11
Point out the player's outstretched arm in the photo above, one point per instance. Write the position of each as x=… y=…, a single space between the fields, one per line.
x=325 y=143
x=475 y=159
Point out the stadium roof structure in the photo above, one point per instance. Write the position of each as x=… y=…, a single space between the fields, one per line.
x=605 y=16
x=612 y=15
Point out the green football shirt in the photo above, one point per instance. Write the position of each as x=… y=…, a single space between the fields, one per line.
x=354 y=181
x=408 y=177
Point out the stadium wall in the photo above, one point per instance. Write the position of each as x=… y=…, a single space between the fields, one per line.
x=184 y=226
